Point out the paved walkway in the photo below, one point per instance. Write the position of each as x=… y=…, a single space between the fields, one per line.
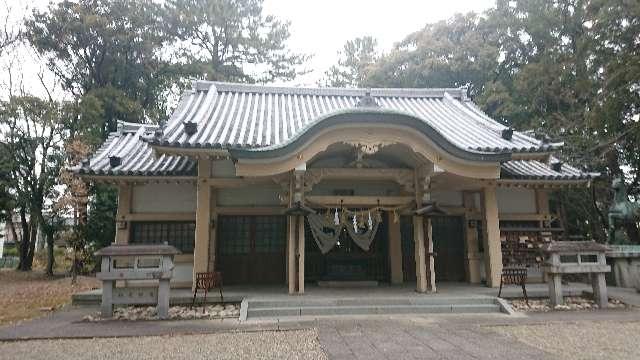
x=462 y=336
x=466 y=336
x=419 y=338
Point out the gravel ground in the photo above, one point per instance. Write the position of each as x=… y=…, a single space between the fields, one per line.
x=571 y=303
x=580 y=340
x=300 y=344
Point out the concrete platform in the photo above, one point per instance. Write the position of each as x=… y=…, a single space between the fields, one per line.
x=275 y=302
x=238 y=293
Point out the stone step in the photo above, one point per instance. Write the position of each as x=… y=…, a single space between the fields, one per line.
x=372 y=310
x=398 y=301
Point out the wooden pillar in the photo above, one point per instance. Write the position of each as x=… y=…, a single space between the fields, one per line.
x=203 y=218
x=123 y=227
x=213 y=225
x=422 y=235
x=542 y=201
x=492 y=246
x=291 y=252
x=430 y=259
x=301 y=240
x=421 y=268
x=395 y=249
x=471 y=232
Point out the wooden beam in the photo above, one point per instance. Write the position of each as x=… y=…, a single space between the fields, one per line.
x=250 y=210
x=190 y=216
x=359 y=200
x=401 y=176
x=523 y=217
x=240 y=182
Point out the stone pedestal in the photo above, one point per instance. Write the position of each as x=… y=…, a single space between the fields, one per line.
x=625 y=261
x=555 y=290
x=576 y=257
x=599 y=286
x=136 y=262
x=107 y=297
x=163 y=299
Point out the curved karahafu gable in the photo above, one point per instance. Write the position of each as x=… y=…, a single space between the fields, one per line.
x=248 y=116
x=365 y=119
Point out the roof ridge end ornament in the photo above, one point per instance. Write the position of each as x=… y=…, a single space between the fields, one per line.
x=464 y=92
x=190 y=127
x=367 y=101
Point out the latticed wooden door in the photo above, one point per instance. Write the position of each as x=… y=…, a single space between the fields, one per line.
x=251 y=249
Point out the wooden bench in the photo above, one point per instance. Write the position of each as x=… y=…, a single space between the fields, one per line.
x=206 y=281
x=514 y=276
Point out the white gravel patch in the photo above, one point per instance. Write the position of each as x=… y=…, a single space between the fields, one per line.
x=571 y=303
x=175 y=313
x=582 y=340
x=299 y=344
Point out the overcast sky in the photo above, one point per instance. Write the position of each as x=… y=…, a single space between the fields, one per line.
x=318 y=27
x=321 y=27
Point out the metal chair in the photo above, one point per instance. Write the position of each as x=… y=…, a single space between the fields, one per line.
x=206 y=281
x=514 y=276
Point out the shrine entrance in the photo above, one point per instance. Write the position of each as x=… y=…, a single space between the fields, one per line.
x=346 y=261
x=448 y=244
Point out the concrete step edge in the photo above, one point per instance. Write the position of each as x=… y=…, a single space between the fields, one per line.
x=364 y=310
x=368 y=302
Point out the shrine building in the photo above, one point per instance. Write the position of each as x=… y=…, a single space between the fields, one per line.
x=301 y=186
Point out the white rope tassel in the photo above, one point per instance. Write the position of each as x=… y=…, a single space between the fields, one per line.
x=370 y=221
x=355 y=223
x=336 y=218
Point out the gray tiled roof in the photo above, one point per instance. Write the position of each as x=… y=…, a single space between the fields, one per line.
x=249 y=116
x=137 y=159
x=136 y=156
x=537 y=170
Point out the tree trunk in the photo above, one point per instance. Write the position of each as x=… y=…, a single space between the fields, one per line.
x=33 y=226
x=50 y=259
x=23 y=248
x=599 y=231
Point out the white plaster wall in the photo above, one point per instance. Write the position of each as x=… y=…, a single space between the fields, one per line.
x=223 y=168
x=257 y=195
x=162 y=198
x=516 y=201
x=450 y=198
